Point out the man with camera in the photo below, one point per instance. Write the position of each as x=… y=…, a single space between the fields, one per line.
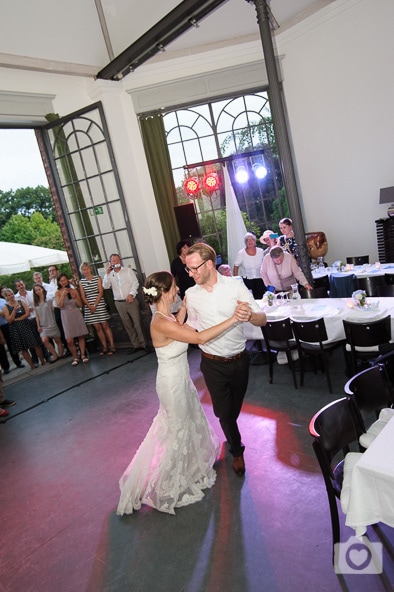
x=124 y=284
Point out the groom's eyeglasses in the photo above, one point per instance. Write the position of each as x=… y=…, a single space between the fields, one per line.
x=193 y=269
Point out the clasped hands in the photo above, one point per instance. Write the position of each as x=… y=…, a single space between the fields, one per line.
x=243 y=313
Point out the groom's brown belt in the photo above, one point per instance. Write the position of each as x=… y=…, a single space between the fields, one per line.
x=221 y=359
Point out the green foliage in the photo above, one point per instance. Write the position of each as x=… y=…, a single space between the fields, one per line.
x=26 y=201
x=27 y=276
x=37 y=231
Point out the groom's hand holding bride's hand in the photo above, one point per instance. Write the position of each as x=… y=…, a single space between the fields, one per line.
x=243 y=312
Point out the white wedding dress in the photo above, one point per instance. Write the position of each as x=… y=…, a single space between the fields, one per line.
x=175 y=461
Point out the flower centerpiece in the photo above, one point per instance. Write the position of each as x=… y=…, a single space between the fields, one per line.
x=359 y=298
x=268 y=298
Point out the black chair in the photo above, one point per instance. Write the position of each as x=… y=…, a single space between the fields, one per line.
x=314 y=293
x=389 y=277
x=385 y=291
x=335 y=429
x=322 y=282
x=278 y=336
x=360 y=260
x=370 y=284
x=312 y=340
x=369 y=336
x=371 y=392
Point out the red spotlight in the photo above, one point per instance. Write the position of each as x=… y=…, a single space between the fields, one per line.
x=191 y=185
x=211 y=181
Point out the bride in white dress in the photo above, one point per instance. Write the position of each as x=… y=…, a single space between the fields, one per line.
x=175 y=461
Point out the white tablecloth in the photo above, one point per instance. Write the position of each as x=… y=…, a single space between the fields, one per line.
x=358 y=271
x=333 y=310
x=369 y=487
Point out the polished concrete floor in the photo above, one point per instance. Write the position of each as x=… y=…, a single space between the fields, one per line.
x=71 y=435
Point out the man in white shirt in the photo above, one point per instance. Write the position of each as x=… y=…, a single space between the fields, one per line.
x=124 y=284
x=224 y=361
x=37 y=279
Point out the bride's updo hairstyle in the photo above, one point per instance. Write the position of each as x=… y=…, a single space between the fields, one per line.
x=156 y=284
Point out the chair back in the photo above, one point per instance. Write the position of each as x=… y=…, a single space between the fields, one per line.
x=334 y=428
x=370 y=284
x=385 y=291
x=389 y=278
x=314 y=293
x=359 y=260
x=368 y=334
x=312 y=331
x=370 y=390
x=279 y=331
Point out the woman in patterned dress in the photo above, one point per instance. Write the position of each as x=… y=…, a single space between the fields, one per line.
x=287 y=241
x=96 y=314
x=22 y=336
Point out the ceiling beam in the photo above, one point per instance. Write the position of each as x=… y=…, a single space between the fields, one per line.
x=183 y=17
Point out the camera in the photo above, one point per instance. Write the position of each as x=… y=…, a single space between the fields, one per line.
x=112 y=266
x=274 y=235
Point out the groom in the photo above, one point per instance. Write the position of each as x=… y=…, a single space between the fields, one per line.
x=224 y=361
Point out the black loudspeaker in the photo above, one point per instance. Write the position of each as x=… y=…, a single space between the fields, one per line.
x=186 y=219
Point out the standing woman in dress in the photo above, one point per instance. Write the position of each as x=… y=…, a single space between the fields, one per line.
x=46 y=322
x=95 y=313
x=22 y=336
x=69 y=303
x=287 y=241
x=175 y=461
x=249 y=261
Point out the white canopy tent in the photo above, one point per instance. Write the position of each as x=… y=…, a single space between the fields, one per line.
x=16 y=257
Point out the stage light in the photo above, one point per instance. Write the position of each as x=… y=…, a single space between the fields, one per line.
x=259 y=170
x=191 y=186
x=241 y=174
x=211 y=181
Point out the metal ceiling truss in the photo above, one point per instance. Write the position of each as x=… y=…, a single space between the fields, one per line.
x=183 y=17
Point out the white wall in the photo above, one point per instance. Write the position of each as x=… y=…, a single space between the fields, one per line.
x=339 y=90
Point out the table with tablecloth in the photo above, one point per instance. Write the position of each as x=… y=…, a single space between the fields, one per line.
x=333 y=310
x=342 y=283
x=368 y=489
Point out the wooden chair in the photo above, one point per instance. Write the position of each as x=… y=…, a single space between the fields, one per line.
x=278 y=336
x=363 y=340
x=312 y=340
x=359 y=260
x=334 y=429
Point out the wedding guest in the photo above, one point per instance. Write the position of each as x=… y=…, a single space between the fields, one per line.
x=124 y=284
x=270 y=239
x=69 y=302
x=53 y=273
x=280 y=269
x=247 y=264
x=37 y=279
x=27 y=296
x=95 y=311
x=21 y=334
x=183 y=280
x=287 y=240
x=5 y=330
x=46 y=322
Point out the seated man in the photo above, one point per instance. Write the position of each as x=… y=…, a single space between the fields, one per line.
x=280 y=269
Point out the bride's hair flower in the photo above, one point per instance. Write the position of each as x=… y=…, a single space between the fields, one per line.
x=150 y=291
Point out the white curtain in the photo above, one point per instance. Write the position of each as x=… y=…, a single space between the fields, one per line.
x=236 y=228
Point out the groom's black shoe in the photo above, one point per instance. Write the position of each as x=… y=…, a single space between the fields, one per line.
x=239 y=465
